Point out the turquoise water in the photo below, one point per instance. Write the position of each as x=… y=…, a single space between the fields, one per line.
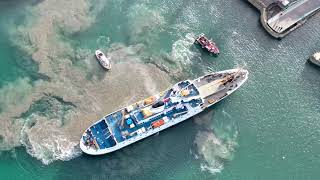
x=9 y=60
x=269 y=129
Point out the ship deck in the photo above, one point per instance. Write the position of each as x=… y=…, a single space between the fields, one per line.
x=224 y=90
x=116 y=126
x=133 y=120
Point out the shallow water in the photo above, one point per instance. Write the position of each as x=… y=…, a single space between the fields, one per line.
x=51 y=89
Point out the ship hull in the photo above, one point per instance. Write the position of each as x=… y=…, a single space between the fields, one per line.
x=139 y=137
x=192 y=112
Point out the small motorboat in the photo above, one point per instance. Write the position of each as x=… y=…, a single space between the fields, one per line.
x=104 y=60
x=207 y=44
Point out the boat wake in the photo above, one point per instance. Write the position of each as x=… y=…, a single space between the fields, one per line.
x=181 y=50
x=50 y=146
x=177 y=63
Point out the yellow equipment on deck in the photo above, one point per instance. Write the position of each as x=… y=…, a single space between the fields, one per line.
x=185 y=92
x=146 y=113
x=149 y=100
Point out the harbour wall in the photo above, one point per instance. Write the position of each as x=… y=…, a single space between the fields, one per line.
x=265 y=7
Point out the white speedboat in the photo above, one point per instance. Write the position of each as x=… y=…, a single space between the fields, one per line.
x=104 y=60
x=315 y=59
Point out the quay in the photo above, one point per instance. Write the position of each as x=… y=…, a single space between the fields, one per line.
x=280 y=17
x=315 y=59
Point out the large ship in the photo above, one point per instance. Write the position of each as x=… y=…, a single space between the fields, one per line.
x=161 y=111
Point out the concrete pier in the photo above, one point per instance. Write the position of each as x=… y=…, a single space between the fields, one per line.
x=261 y=4
x=280 y=20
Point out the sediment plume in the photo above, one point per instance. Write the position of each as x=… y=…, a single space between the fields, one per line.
x=75 y=96
x=48 y=116
x=214 y=145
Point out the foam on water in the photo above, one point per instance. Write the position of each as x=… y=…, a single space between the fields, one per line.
x=181 y=50
x=52 y=145
x=13 y=96
x=179 y=60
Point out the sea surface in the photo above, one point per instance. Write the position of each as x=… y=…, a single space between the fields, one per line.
x=52 y=89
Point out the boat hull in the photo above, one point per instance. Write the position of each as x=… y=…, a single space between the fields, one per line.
x=209 y=46
x=139 y=137
x=104 y=61
x=192 y=112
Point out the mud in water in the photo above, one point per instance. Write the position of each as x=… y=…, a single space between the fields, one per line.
x=214 y=144
x=48 y=117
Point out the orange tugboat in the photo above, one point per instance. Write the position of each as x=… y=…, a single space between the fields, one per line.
x=207 y=44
